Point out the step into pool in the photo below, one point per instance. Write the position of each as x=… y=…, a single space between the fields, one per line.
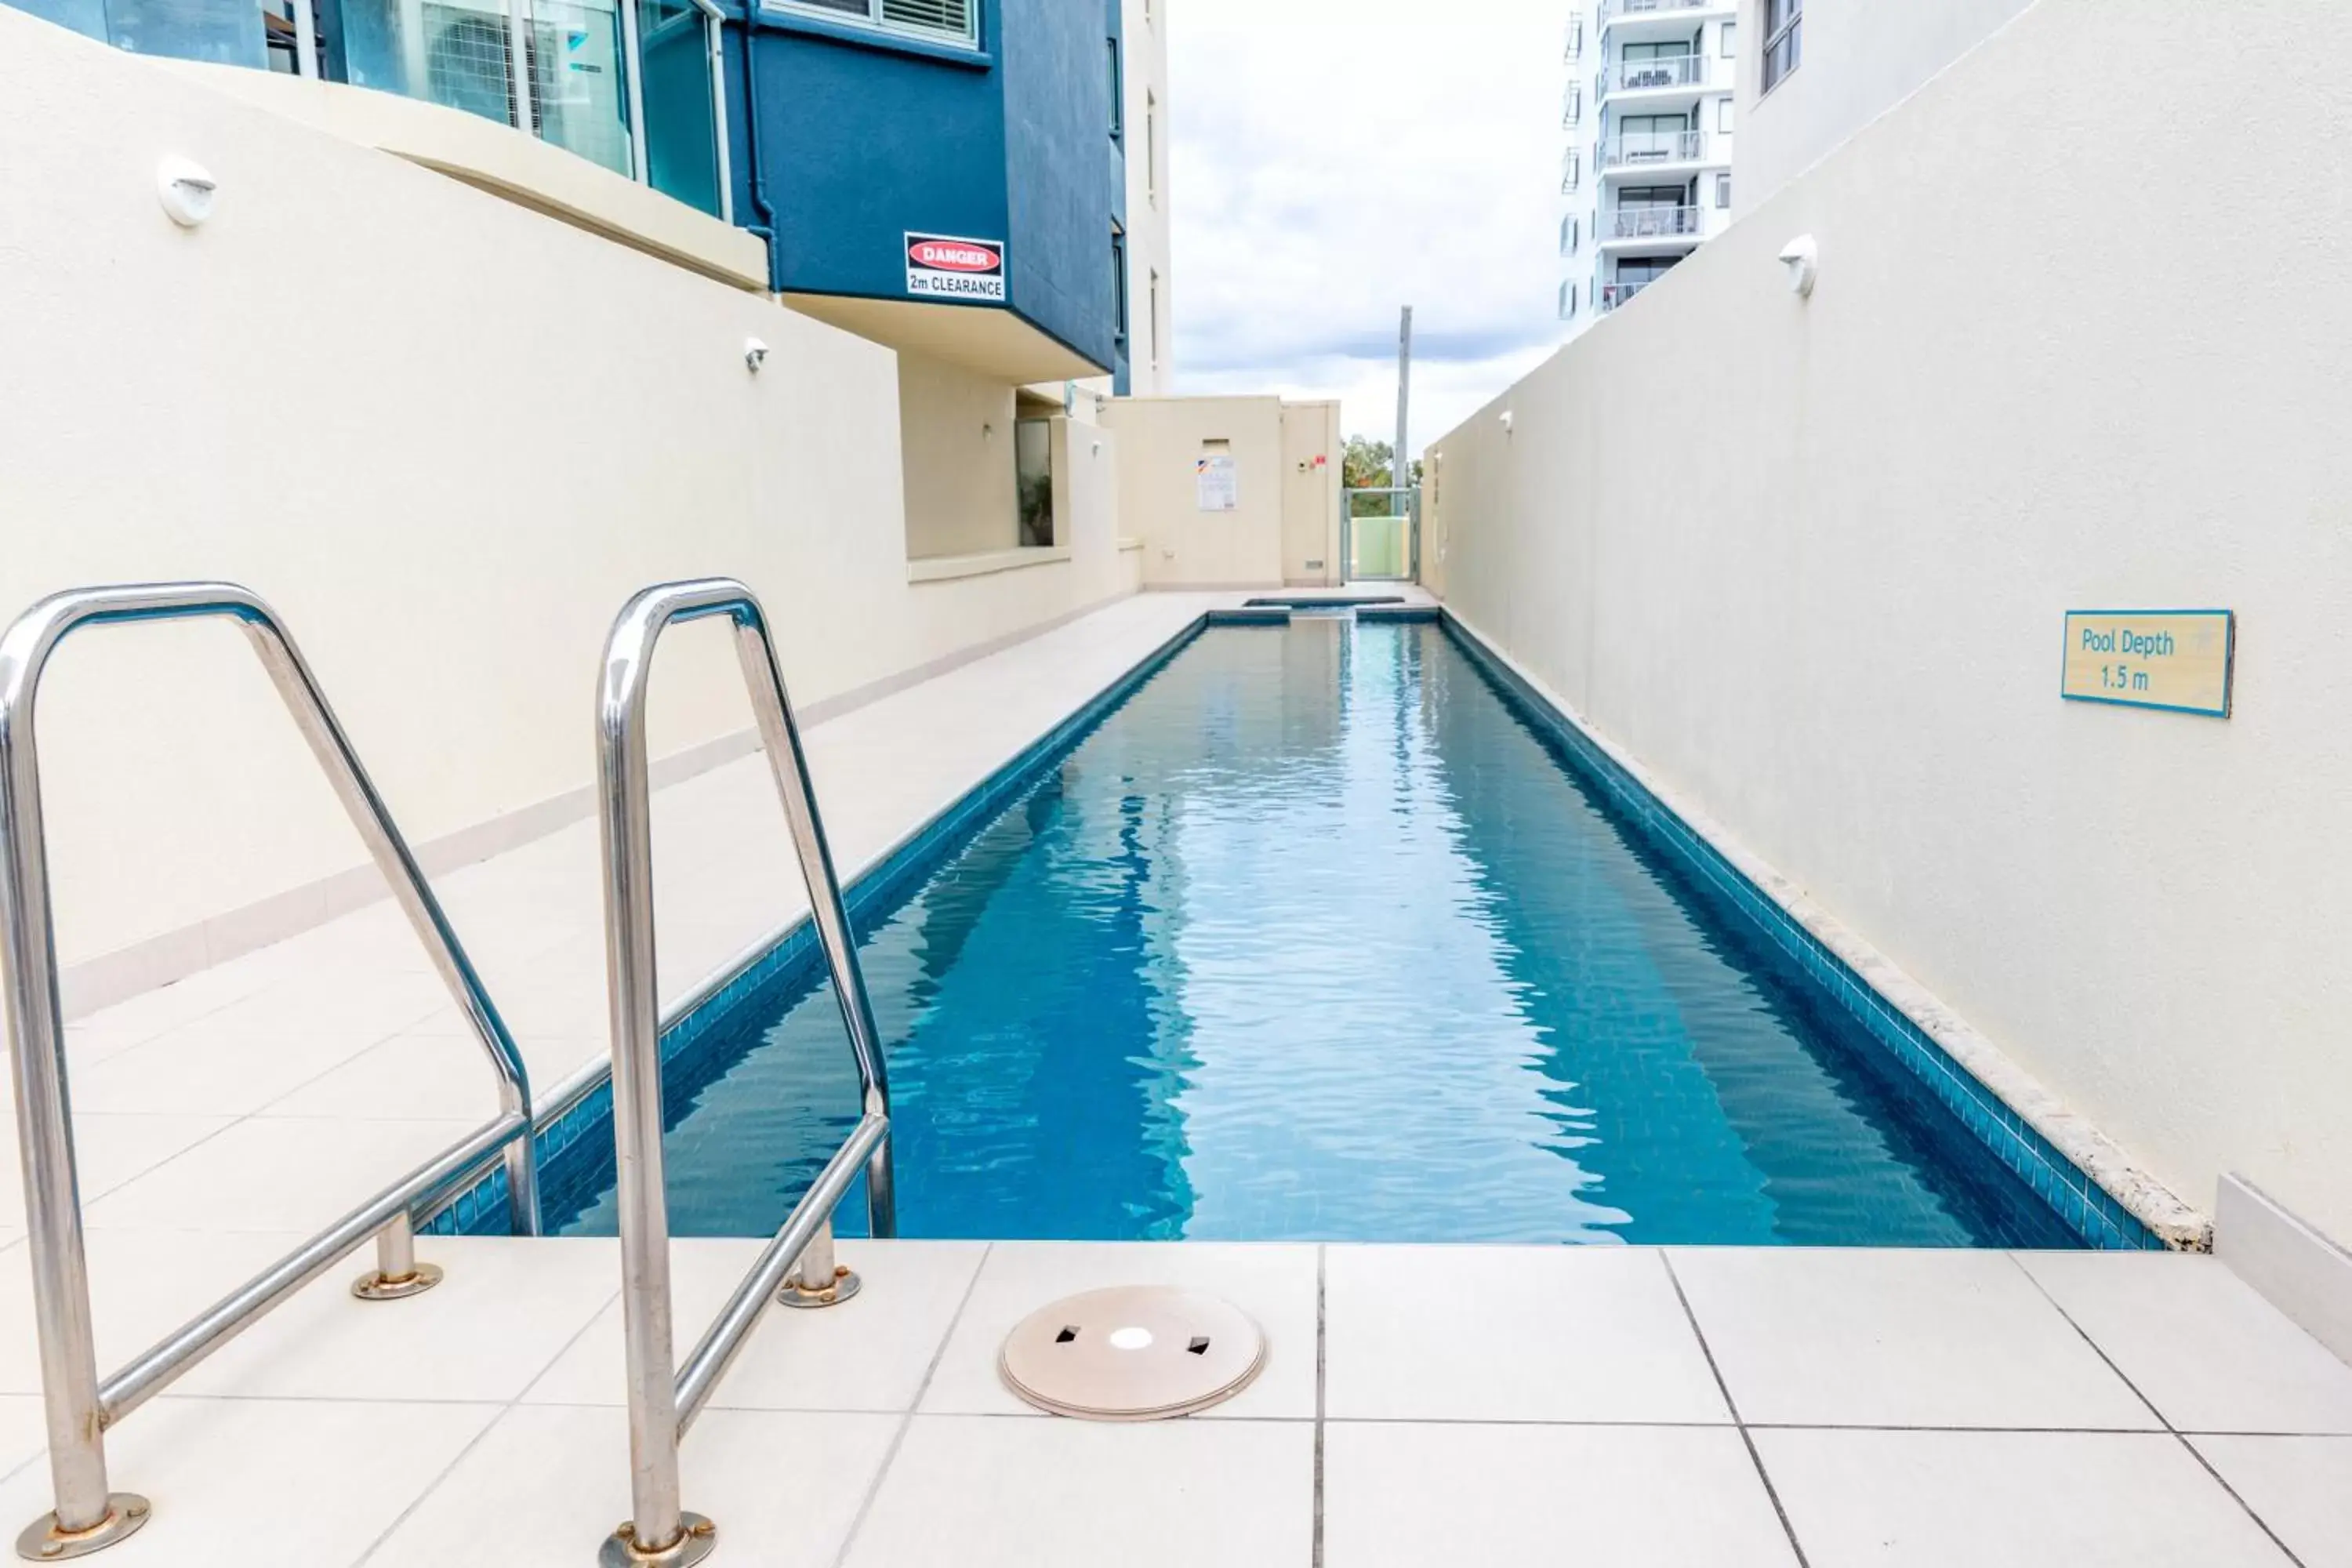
x=1315 y=937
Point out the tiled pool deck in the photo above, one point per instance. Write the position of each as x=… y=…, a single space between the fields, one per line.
x=1689 y=1406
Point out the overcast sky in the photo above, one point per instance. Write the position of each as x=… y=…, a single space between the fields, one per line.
x=1336 y=158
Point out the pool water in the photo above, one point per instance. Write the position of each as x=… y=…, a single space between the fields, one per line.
x=1313 y=938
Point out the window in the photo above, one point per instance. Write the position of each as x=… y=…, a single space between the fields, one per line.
x=957 y=21
x=1722 y=117
x=1116 y=130
x=1722 y=192
x=1730 y=37
x=1119 y=283
x=1784 y=37
x=1568 y=236
x=1151 y=148
x=1567 y=301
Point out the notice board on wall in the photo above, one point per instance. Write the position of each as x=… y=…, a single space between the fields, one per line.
x=1217 y=482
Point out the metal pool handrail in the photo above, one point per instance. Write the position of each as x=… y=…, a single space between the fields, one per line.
x=664 y=1398
x=79 y=1407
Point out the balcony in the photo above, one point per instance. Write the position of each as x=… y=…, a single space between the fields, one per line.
x=1685 y=71
x=1620 y=10
x=1650 y=222
x=1647 y=149
x=627 y=84
x=1613 y=295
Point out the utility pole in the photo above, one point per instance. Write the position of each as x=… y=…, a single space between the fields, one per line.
x=1401 y=469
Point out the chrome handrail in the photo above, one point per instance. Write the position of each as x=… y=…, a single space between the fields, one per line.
x=78 y=1408
x=664 y=1398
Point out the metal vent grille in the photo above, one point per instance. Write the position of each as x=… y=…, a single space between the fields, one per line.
x=951 y=17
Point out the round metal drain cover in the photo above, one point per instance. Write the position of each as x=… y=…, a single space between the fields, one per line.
x=1135 y=1353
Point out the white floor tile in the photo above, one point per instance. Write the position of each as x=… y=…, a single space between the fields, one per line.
x=211 y=1068
x=548 y=1483
x=1498 y=1333
x=504 y=1310
x=2207 y=1351
x=1274 y=1284
x=268 y=1173
x=107 y=1151
x=980 y=1491
x=2019 y=1500
x=1406 y=1495
x=2300 y=1487
x=23 y=1431
x=257 y=1483
x=143 y=1284
x=428 y=1077
x=871 y=1352
x=1863 y=1338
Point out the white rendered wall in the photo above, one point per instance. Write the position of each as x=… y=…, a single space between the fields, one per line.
x=447 y=437
x=1151 y=348
x=1861 y=59
x=1833 y=622
x=1160 y=439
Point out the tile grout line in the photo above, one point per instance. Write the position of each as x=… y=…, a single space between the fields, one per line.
x=506 y=1409
x=1322 y=1364
x=2177 y=1435
x=1723 y=1388
x=907 y=1422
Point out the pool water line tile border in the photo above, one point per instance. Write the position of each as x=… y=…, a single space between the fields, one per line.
x=2072 y=1166
x=567 y=1139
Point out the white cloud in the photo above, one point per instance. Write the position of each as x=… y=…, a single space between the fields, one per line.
x=1337 y=159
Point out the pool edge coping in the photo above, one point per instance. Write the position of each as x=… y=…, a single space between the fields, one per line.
x=2072 y=1137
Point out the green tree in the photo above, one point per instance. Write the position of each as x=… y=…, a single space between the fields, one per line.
x=1370 y=465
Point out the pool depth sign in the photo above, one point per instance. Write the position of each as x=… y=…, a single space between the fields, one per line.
x=2179 y=660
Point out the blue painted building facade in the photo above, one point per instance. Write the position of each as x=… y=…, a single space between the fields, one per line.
x=849 y=138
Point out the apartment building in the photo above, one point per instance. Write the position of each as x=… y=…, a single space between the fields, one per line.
x=981 y=185
x=1645 y=176
x=1823 y=69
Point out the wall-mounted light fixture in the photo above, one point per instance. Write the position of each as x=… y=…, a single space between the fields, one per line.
x=1506 y=423
x=1802 y=257
x=186 y=189
x=755 y=354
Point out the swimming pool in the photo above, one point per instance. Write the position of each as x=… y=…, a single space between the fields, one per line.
x=1314 y=937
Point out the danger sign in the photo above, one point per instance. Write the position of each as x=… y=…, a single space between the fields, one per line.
x=943 y=265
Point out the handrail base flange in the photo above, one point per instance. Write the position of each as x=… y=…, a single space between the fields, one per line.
x=696 y=1538
x=43 y=1542
x=794 y=1293
x=375 y=1285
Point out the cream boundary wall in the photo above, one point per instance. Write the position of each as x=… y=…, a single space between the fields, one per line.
x=1861 y=59
x=1312 y=495
x=2017 y=390
x=956 y=428
x=1160 y=440
x=447 y=437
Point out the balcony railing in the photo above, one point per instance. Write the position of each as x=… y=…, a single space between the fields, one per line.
x=1634 y=148
x=634 y=85
x=1613 y=10
x=1613 y=295
x=1650 y=222
x=1669 y=71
